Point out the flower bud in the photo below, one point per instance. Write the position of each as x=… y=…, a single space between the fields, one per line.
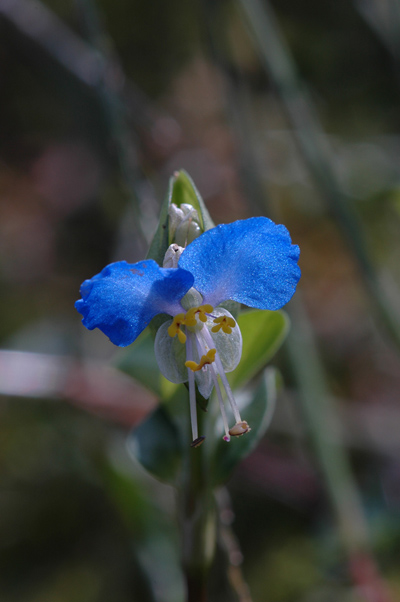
x=172 y=256
x=183 y=224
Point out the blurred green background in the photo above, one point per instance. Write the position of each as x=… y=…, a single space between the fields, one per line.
x=288 y=109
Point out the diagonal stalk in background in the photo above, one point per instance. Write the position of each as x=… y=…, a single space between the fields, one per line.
x=318 y=406
x=314 y=147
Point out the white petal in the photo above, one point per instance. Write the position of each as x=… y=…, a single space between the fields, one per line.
x=228 y=346
x=170 y=355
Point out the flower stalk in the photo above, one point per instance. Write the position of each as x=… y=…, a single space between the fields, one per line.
x=197 y=517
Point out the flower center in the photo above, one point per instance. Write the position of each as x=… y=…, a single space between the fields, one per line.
x=191 y=319
x=197 y=337
x=200 y=312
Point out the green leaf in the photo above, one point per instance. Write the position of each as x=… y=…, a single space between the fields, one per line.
x=160 y=242
x=155 y=443
x=129 y=498
x=139 y=361
x=263 y=333
x=258 y=413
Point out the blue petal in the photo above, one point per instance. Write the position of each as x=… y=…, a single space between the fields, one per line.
x=251 y=261
x=124 y=297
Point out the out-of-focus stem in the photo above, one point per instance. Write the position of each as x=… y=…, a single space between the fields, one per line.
x=230 y=544
x=325 y=429
x=314 y=147
x=383 y=16
x=110 y=91
x=197 y=516
x=325 y=432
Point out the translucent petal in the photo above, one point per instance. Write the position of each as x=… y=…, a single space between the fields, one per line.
x=228 y=346
x=250 y=261
x=171 y=358
x=204 y=381
x=170 y=355
x=123 y=298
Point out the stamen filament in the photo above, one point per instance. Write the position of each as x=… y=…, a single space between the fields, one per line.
x=202 y=348
x=192 y=390
x=228 y=390
x=205 y=360
x=221 y=372
x=221 y=404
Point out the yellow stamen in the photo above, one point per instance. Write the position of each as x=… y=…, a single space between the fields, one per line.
x=181 y=336
x=190 y=318
x=175 y=328
x=209 y=358
x=202 y=310
x=224 y=322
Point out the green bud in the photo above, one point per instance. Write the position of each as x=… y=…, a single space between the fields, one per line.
x=183 y=224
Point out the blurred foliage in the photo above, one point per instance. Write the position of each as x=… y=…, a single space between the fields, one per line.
x=80 y=521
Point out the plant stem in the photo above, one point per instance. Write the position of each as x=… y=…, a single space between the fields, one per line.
x=197 y=514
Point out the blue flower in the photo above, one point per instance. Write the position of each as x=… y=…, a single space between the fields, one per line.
x=250 y=261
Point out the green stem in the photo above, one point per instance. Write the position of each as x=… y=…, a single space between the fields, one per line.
x=197 y=515
x=324 y=423
x=325 y=431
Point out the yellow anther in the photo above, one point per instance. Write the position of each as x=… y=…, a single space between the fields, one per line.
x=209 y=358
x=175 y=328
x=206 y=309
x=190 y=318
x=181 y=336
x=239 y=429
x=224 y=322
x=202 y=310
